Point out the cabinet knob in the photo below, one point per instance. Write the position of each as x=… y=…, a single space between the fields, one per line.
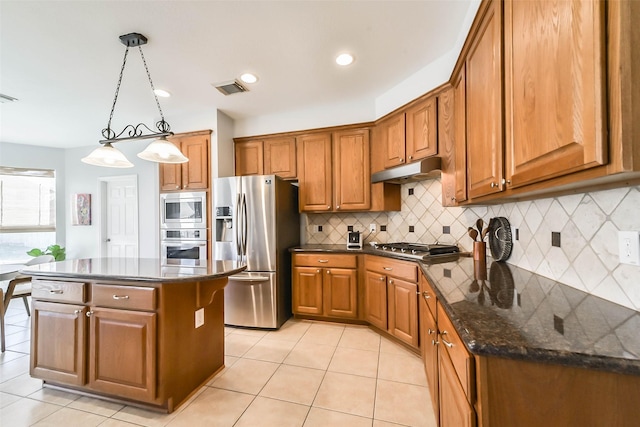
x=318 y=271
x=338 y=207
x=387 y=268
x=434 y=342
x=177 y=187
x=426 y=295
x=494 y=185
x=430 y=331
x=381 y=279
x=328 y=207
x=401 y=160
x=410 y=157
x=453 y=199
x=506 y=181
x=447 y=343
x=89 y=313
x=391 y=281
x=77 y=311
x=328 y=271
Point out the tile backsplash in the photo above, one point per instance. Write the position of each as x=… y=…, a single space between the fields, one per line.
x=588 y=223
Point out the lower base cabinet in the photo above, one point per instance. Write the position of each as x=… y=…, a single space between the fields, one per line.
x=454 y=410
x=127 y=342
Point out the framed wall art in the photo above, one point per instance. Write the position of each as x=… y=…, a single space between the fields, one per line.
x=81 y=209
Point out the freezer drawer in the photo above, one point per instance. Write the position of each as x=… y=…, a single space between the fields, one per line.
x=250 y=300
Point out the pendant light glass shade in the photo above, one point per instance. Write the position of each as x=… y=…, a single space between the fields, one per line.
x=107 y=156
x=163 y=151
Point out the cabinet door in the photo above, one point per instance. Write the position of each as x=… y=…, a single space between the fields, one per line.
x=455 y=411
x=392 y=132
x=555 y=89
x=280 y=157
x=195 y=173
x=341 y=292
x=315 y=172
x=122 y=353
x=249 y=158
x=307 y=290
x=446 y=146
x=375 y=299
x=460 y=136
x=429 y=343
x=484 y=105
x=170 y=173
x=352 y=170
x=58 y=342
x=422 y=130
x=403 y=310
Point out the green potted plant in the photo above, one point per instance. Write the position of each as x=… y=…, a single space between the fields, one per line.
x=57 y=251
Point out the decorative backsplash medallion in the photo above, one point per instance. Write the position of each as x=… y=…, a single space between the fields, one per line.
x=588 y=224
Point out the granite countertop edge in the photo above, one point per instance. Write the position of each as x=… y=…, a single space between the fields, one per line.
x=501 y=349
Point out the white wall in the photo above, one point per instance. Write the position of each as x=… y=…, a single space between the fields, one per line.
x=223 y=157
x=83 y=241
x=30 y=156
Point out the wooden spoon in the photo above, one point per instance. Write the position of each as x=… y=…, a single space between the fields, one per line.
x=484 y=234
x=479 y=225
x=473 y=233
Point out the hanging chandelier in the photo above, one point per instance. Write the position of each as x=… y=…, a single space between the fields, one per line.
x=160 y=150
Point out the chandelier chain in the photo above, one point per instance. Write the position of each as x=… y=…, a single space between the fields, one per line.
x=115 y=99
x=153 y=89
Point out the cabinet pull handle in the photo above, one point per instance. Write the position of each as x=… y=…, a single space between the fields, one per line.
x=324 y=261
x=426 y=295
x=387 y=268
x=77 y=311
x=56 y=291
x=447 y=343
x=89 y=313
x=430 y=331
x=435 y=342
x=121 y=297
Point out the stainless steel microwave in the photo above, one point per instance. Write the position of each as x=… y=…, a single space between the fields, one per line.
x=183 y=210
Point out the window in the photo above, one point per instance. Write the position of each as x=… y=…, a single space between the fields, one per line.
x=27 y=211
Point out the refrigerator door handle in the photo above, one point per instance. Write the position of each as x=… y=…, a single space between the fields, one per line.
x=236 y=219
x=248 y=278
x=244 y=224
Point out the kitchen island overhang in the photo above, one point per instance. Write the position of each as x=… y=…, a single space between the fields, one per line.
x=129 y=329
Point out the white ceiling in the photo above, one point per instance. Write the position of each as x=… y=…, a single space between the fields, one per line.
x=61 y=59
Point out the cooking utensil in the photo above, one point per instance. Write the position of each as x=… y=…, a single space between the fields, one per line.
x=473 y=233
x=484 y=234
x=474 y=287
x=479 y=225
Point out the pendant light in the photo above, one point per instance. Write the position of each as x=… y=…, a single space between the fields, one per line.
x=160 y=150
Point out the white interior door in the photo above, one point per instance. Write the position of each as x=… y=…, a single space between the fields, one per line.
x=120 y=217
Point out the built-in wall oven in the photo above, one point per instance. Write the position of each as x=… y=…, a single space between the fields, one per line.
x=184 y=247
x=183 y=210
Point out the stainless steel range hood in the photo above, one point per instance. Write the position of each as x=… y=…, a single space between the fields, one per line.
x=428 y=168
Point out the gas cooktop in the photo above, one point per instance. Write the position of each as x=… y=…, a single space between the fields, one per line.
x=419 y=251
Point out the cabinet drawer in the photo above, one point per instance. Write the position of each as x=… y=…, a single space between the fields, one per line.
x=54 y=290
x=126 y=297
x=325 y=260
x=429 y=296
x=460 y=357
x=402 y=269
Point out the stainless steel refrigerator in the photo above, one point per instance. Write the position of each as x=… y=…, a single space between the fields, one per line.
x=257 y=221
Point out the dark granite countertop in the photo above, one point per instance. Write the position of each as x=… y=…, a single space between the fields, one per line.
x=132 y=269
x=503 y=310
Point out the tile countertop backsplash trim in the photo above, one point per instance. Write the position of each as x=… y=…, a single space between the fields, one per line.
x=588 y=223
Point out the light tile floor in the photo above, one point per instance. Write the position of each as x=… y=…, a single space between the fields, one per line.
x=311 y=374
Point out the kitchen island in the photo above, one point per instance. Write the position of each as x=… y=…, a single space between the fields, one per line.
x=128 y=329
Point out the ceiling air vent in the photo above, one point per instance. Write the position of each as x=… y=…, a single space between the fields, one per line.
x=229 y=88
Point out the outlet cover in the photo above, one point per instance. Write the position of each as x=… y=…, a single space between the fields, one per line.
x=372 y=228
x=629 y=247
x=199 y=317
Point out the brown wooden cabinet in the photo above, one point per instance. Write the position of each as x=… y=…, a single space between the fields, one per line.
x=266 y=156
x=325 y=285
x=315 y=174
x=57 y=341
x=555 y=89
x=194 y=174
x=392 y=141
x=429 y=339
x=484 y=104
x=334 y=172
x=455 y=410
x=391 y=300
x=249 y=158
x=421 y=121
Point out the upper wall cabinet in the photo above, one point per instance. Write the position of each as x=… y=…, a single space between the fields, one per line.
x=555 y=89
x=272 y=156
x=334 y=171
x=408 y=135
x=193 y=175
x=484 y=104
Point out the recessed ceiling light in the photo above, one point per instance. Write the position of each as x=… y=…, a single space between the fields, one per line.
x=249 y=78
x=344 y=59
x=162 y=93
